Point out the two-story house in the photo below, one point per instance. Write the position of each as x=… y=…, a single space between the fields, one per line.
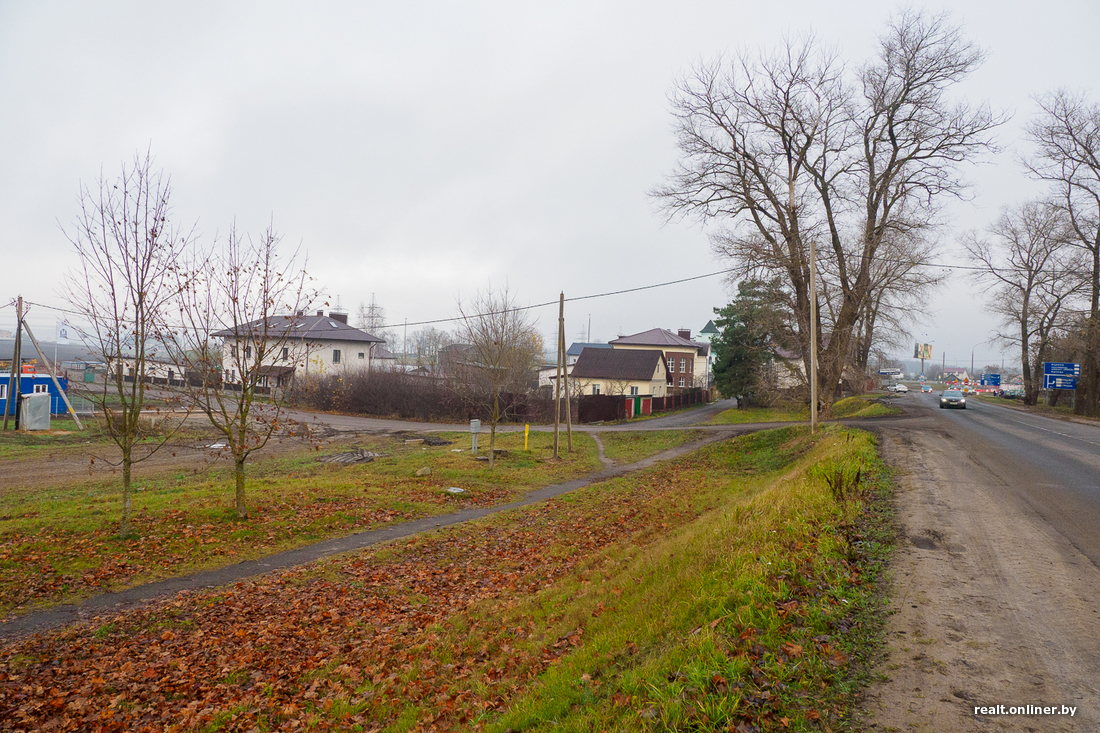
x=686 y=360
x=296 y=344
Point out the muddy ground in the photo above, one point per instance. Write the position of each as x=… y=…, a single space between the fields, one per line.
x=991 y=605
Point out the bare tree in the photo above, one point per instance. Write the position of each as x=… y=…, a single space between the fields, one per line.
x=239 y=341
x=502 y=351
x=130 y=252
x=783 y=150
x=1032 y=278
x=426 y=344
x=1067 y=134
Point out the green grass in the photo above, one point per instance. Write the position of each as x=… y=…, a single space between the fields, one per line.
x=849 y=407
x=711 y=618
x=729 y=587
x=624 y=447
x=60 y=543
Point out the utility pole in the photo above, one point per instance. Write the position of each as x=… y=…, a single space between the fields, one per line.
x=16 y=369
x=565 y=372
x=813 y=337
x=557 y=392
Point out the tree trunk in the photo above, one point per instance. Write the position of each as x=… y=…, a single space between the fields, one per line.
x=238 y=475
x=127 y=471
x=1088 y=398
x=1031 y=395
x=492 y=442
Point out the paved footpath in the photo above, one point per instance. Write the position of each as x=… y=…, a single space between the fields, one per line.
x=111 y=603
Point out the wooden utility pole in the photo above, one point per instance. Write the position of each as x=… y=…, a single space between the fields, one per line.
x=565 y=371
x=813 y=337
x=16 y=368
x=557 y=394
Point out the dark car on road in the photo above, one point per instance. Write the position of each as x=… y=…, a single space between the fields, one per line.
x=952 y=398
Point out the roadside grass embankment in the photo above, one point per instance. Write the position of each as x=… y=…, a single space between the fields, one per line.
x=847 y=408
x=735 y=588
x=61 y=543
x=625 y=447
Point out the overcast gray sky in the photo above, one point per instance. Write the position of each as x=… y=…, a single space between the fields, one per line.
x=421 y=151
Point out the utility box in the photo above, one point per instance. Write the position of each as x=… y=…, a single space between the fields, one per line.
x=34 y=412
x=475 y=428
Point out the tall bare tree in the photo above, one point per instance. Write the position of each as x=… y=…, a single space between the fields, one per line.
x=785 y=149
x=502 y=351
x=130 y=251
x=238 y=340
x=1032 y=278
x=1067 y=135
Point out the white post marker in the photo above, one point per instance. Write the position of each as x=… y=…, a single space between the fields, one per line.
x=475 y=428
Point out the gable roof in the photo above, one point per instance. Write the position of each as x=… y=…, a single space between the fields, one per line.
x=577 y=347
x=633 y=365
x=307 y=328
x=657 y=337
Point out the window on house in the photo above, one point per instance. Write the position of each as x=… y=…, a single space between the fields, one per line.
x=336 y=356
x=248 y=352
x=286 y=353
x=633 y=390
x=681 y=381
x=683 y=364
x=671 y=364
x=656 y=391
x=362 y=355
x=4 y=391
x=41 y=389
x=595 y=388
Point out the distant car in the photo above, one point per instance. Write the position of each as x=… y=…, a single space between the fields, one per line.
x=926 y=388
x=952 y=398
x=901 y=388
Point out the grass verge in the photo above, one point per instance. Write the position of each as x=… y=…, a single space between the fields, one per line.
x=736 y=588
x=849 y=407
x=626 y=447
x=62 y=543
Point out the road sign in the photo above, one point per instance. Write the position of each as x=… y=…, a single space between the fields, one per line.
x=1052 y=382
x=890 y=372
x=991 y=380
x=1061 y=369
x=1060 y=374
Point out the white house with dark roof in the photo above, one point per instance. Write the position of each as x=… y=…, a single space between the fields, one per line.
x=685 y=359
x=299 y=344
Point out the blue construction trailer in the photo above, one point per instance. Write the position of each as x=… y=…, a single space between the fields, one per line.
x=32 y=383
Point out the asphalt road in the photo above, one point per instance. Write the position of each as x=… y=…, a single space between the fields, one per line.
x=1052 y=466
x=996 y=579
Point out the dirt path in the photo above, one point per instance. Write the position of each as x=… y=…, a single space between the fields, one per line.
x=110 y=603
x=992 y=606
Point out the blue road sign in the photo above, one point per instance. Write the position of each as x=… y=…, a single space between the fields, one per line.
x=1060 y=374
x=1052 y=382
x=1061 y=369
x=991 y=380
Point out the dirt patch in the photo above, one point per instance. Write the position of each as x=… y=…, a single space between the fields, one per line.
x=991 y=606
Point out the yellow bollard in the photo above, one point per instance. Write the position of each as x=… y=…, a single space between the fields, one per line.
x=526 y=430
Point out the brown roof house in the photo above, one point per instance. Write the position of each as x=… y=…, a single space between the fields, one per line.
x=685 y=359
x=621 y=372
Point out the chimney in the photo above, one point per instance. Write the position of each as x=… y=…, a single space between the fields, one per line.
x=320 y=313
x=341 y=317
x=684 y=333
